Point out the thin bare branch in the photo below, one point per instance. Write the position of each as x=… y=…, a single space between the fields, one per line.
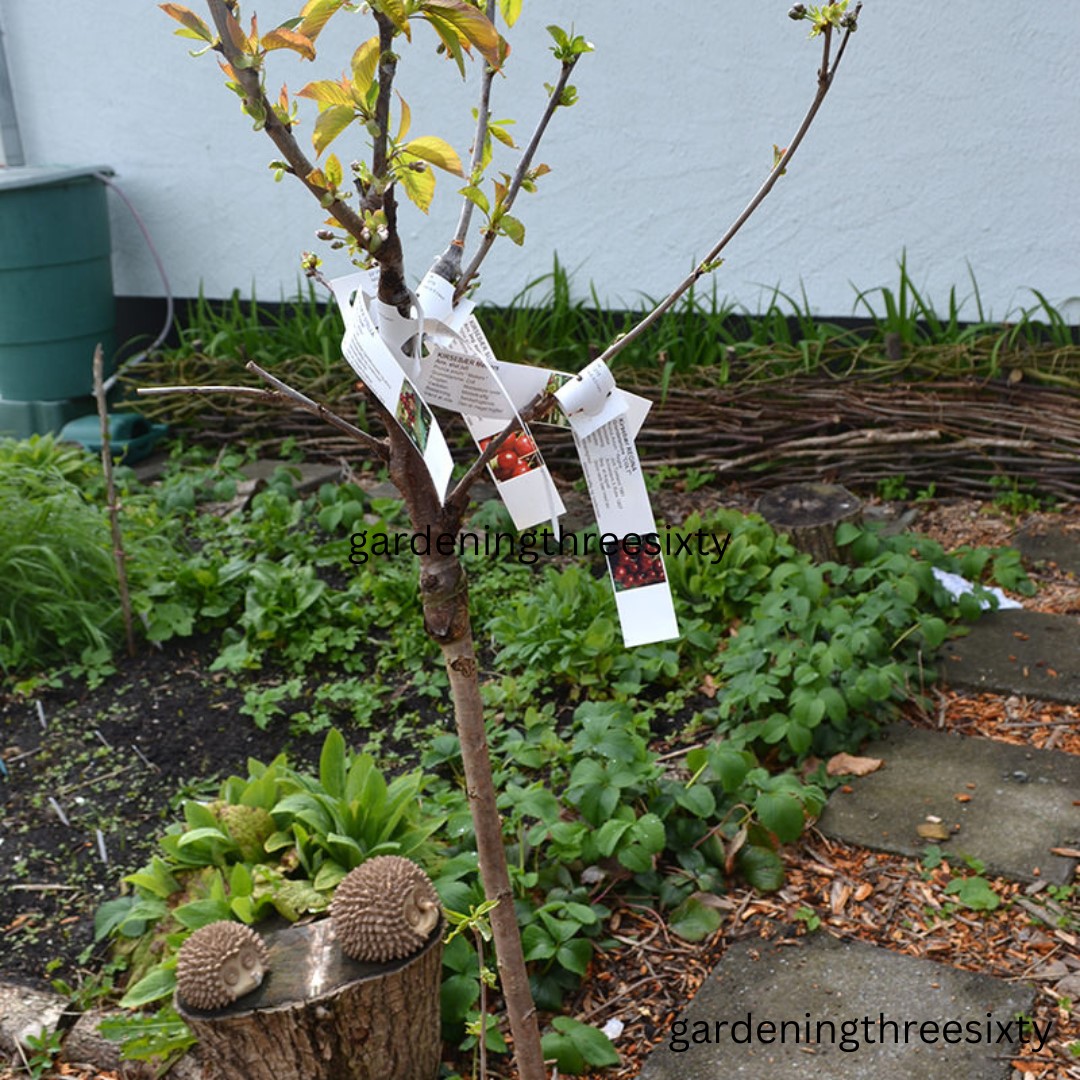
x=824 y=83
x=519 y=176
x=282 y=394
x=448 y=264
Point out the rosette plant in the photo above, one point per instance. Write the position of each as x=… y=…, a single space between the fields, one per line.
x=360 y=203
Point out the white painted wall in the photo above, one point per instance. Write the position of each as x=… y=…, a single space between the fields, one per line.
x=953 y=131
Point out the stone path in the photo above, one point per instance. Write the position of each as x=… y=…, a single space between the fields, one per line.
x=909 y=1017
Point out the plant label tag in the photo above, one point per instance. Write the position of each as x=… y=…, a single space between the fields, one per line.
x=628 y=533
x=591 y=399
x=374 y=363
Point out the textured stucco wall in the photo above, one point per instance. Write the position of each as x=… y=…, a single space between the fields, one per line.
x=953 y=131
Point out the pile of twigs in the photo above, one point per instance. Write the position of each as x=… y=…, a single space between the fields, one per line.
x=961 y=434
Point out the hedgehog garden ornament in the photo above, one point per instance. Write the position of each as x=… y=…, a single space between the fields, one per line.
x=384 y=910
x=220 y=963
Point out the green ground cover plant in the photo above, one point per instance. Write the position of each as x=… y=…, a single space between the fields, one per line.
x=805 y=659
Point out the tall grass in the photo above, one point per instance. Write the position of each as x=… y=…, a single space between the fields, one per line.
x=58 y=596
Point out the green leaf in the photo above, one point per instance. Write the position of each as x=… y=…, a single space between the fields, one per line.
x=201 y=913
x=846 y=533
x=436 y=151
x=418 y=186
x=332 y=764
x=648 y=831
x=472 y=24
x=365 y=62
x=575 y=1045
x=395 y=11
x=329 y=124
x=510 y=9
x=575 y=954
x=694 y=921
x=159 y=983
x=762 y=868
x=781 y=813
x=327 y=92
x=510 y=226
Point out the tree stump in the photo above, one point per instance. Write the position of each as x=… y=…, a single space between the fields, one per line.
x=320 y=1016
x=809 y=514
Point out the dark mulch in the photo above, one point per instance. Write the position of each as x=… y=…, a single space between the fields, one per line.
x=92 y=776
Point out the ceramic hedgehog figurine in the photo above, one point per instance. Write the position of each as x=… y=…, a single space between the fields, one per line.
x=220 y=963
x=384 y=909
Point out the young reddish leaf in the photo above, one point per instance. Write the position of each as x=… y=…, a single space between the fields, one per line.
x=365 y=62
x=418 y=186
x=472 y=24
x=326 y=92
x=236 y=33
x=194 y=26
x=437 y=151
x=315 y=14
x=289 y=39
x=330 y=124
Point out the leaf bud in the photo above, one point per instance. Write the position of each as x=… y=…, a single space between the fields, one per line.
x=797 y=11
x=849 y=21
x=324 y=234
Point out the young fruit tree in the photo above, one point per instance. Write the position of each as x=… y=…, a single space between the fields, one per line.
x=413 y=348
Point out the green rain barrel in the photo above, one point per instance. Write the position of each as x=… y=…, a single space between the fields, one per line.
x=56 y=293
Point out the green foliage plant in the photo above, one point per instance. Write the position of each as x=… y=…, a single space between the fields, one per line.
x=364 y=104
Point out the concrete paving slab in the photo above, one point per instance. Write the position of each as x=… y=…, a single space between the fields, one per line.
x=1028 y=653
x=843 y=1011
x=1050 y=544
x=1021 y=802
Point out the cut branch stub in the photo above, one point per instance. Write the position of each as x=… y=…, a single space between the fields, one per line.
x=809 y=514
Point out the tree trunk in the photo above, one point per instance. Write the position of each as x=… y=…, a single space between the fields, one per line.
x=809 y=514
x=321 y=1016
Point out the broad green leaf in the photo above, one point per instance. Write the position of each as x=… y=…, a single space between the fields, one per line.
x=330 y=124
x=193 y=26
x=435 y=151
x=159 y=983
x=762 y=868
x=332 y=764
x=694 y=921
x=328 y=92
x=365 y=62
x=477 y=198
x=194 y=836
x=201 y=913
x=473 y=24
x=648 y=831
x=418 y=186
x=698 y=799
x=575 y=954
x=781 y=814
x=513 y=228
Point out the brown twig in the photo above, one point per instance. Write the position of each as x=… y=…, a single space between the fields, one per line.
x=113 y=506
x=518 y=178
x=825 y=78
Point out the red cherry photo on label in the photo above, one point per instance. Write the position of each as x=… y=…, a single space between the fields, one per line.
x=523 y=446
